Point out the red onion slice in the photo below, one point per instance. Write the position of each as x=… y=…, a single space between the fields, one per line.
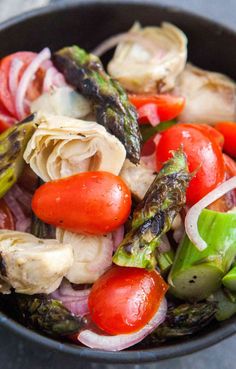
x=22 y=223
x=150 y=112
x=26 y=78
x=48 y=79
x=113 y=41
x=74 y=300
x=16 y=66
x=191 y=220
x=122 y=341
x=117 y=237
x=149 y=161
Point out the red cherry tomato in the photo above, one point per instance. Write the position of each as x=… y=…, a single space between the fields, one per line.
x=5 y=65
x=228 y=201
x=168 y=106
x=203 y=156
x=212 y=133
x=6 y=120
x=6 y=218
x=123 y=300
x=89 y=202
x=228 y=130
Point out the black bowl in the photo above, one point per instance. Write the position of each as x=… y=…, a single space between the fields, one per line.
x=88 y=23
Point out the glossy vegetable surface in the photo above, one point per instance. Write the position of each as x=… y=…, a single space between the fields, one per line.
x=203 y=155
x=228 y=130
x=123 y=300
x=154 y=214
x=89 y=202
x=113 y=110
x=167 y=106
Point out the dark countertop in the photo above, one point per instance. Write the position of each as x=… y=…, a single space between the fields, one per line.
x=18 y=353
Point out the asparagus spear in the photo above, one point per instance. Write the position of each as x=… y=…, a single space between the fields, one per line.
x=154 y=214
x=47 y=315
x=196 y=274
x=12 y=145
x=111 y=105
x=185 y=319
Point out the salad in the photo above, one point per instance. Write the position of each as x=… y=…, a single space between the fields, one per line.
x=117 y=191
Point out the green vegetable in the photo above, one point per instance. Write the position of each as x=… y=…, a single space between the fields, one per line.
x=165 y=260
x=196 y=274
x=47 y=315
x=12 y=145
x=154 y=215
x=225 y=306
x=148 y=131
x=229 y=280
x=185 y=320
x=111 y=105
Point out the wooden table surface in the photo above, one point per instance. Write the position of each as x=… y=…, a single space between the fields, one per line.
x=16 y=352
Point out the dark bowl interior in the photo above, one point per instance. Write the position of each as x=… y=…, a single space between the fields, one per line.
x=88 y=23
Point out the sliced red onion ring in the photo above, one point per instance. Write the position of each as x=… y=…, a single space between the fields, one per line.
x=117 y=237
x=122 y=341
x=150 y=112
x=74 y=300
x=22 y=223
x=164 y=245
x=15 y=68
x=23 y=197
x=113 y=41
x=191 y=220
x=26 y=78
x=48 y=79
x=149 y=161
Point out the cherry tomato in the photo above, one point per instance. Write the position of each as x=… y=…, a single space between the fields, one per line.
x=228 y=130
x=168 y=106
x=6 y=120
x=6 y=218
x=89 y=202
x=123 y=300
x=228 y=201
x=203 y=156
x=212 y=133
x=5 y=65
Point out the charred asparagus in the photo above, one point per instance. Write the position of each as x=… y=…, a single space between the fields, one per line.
x=12 y=144
x=111 y=105
x=47 y=315
x=154 y=214
x=184 y=320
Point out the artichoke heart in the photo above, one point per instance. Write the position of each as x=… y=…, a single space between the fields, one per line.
x=137 y=177
x=210 y=97
x=153 y=61
x=92 y=255
x=31 y=265
x=63 y=146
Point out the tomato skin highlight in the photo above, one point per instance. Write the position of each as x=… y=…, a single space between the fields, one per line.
x=88 y=203
x=168 y=106
x=6 y=217
x=203 y=156
x=228 y=130
x=212 y=133
x=124 y=300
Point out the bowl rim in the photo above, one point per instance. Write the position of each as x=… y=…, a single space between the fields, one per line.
x=131 y=356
